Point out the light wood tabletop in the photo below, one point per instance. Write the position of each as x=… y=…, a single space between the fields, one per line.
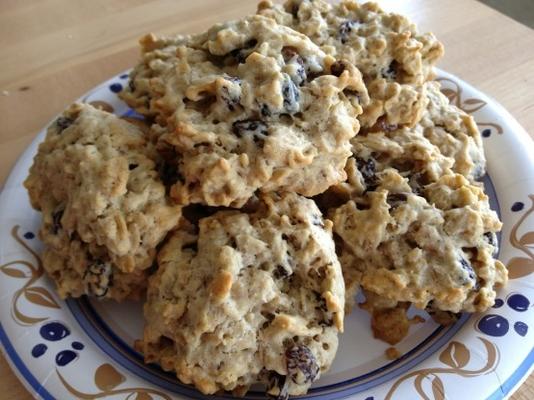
x=52 y=51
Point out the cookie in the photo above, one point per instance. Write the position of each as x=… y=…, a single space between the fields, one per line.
x=103 y=204
x=389 y=319
x=446 y=140
x=250 y=105
x=444 y=131
x=380 y=44
x=247 y=298
x=434 y=249
x=394 y=58
x=455 y=133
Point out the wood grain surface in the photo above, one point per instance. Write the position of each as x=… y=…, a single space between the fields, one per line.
x=52 y=51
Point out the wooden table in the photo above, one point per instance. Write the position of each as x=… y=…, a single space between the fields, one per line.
x=52 y=51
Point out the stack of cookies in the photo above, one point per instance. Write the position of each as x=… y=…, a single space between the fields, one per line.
x=287 y=160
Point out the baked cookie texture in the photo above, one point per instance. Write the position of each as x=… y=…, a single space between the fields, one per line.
x=455 y=133
x=104 y=208
x=432 y=250
x=329 y=101
x=394 y=58
x=248 y=297
x=408 y=161
x=445 y=141
x=249 y=105
x=389 y=319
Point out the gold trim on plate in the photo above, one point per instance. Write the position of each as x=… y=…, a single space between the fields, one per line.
x=469 y=105
x=519 y=267
x=107 y=378
x=37 y=295
x=456 y=356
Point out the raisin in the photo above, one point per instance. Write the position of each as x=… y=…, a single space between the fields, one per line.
x=491 y=238
x=288 y=52
x=152 y=269
x=295 y=10
x=301 y=364
x=291 y=56
x=56 y=221
x=345 y=29
x=278 y=384
x=246 y=126
x=233 y=79
x=98 y=278
x=317 y=221
x=169 y=174
x=251 y=43
x=269 y=317
x=355 y=99
x=291 y=95
x=229 y=96
x=337 y=68
x=265 y=111
x=362 y=204
x=382 y=125
x=284 y=269
x=417 y=182
x=301 y=75
x=395 y=199
x=251 y=128
x=352 y=93
x=321 y=302
x=311 y=75
x=327 y=322
x=240 y=55
x=297 y=77
x=368 y=170
x=63 y=123
x=231 y=99
x=281 y=272
x=466 y=266
x=391 y=71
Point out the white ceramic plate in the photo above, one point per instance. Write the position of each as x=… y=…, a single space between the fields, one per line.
x=83 y=348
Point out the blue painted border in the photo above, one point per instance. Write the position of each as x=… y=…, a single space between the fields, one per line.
x=21 y=367
x=514 y=379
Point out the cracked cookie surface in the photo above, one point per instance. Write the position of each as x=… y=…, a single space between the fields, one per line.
x=394 y=58
x=434 y=248
x=446 y=140
x=246 y=298
x=104 y=208
x=249 y=105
